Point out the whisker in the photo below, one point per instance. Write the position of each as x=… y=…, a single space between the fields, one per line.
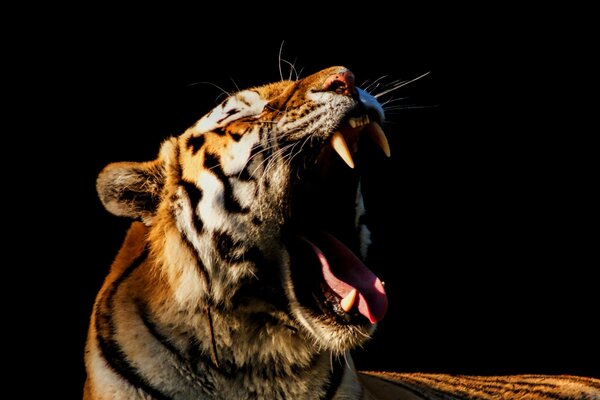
x=345 y=354
x=409 y=107
x=265 y=148
x=280 y=52
x=331 y=360
x=223 y=91
x=394 y=100
x=402 y=84
x=235 y=84
x=368 y=89
x=272 y=158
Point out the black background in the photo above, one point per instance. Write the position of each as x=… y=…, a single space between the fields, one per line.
x=478 y=218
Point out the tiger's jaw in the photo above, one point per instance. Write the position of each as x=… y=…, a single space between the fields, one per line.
x=333 y=292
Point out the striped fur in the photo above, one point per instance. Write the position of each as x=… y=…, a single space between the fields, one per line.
x=235 y=281
x=386 y=385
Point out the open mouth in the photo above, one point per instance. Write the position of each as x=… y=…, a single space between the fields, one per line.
x=330 y=278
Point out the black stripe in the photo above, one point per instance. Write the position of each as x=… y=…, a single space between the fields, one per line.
x=219 y=131
x=254 y=161
x=255 y=150
x=190 y=246
x=256 y=221
x=235 y=136
x=195 y=143
x=224 y=244
x=228 y=114
x=195 y=355
x=590 y=381
x=110 y=348
x=211 y=163
x=207 y=386
x=153 y=330
x=253 y=255
x=195 y=195
x=426 y=382
x=502 y=381
x=244 y=175
x=505 y=384
x=235 y=252
x=193 y=192
x=415 y=385
x=335 y=380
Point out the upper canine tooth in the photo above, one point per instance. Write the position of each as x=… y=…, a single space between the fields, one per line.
x=348 y=302
x=341 y=147
x=377 y=135
x=352 y=122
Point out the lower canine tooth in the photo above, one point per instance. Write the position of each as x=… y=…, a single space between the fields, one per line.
x=377 y=135
x=348 y=302
x=341 y=147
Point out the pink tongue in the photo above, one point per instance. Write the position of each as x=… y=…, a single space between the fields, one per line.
x=343 y=271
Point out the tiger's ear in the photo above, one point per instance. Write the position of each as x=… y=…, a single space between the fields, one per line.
x=129 y=189
x=133 y=189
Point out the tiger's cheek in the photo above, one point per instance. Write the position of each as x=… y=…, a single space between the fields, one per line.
x=191 y=154
x=191 y=165
x=236 y=153
x=228 y=148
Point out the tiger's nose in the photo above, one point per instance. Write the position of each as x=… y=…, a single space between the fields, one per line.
x=341 y=83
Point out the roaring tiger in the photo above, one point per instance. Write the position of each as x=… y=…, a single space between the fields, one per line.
x=243 y=278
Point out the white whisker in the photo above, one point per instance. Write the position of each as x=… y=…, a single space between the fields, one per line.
x=390 y=101
x=223 y=91
x=375 y=82
x=235 y=84
x=401 y=84
x=280 y=51
x=408 y=107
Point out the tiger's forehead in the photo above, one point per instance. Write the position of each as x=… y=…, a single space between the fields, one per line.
x=242 y=104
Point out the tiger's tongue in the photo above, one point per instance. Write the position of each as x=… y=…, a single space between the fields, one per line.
x=343 y=271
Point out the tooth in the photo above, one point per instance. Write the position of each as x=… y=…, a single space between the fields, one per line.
x=341 y=147
x=376 y=133
x=367 y=120
x=383 y=283
x=352 y=122
x=348 y=302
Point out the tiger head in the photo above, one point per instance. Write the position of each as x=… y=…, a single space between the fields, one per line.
x=257 y=207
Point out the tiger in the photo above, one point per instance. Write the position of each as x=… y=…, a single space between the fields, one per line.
x=243 y=276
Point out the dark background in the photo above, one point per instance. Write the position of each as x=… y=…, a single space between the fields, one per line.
x=478 y=219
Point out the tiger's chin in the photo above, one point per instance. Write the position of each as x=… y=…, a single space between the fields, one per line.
x=339 y=310
x=334 y=294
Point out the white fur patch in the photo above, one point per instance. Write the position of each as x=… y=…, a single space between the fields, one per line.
x=234 y=160
x=243 y=104
x=211 y=208
x=244 y=192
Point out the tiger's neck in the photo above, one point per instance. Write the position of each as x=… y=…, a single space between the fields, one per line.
x=244 y=346
x=230 y=353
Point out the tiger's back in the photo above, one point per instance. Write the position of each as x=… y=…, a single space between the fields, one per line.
x=391 y=385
